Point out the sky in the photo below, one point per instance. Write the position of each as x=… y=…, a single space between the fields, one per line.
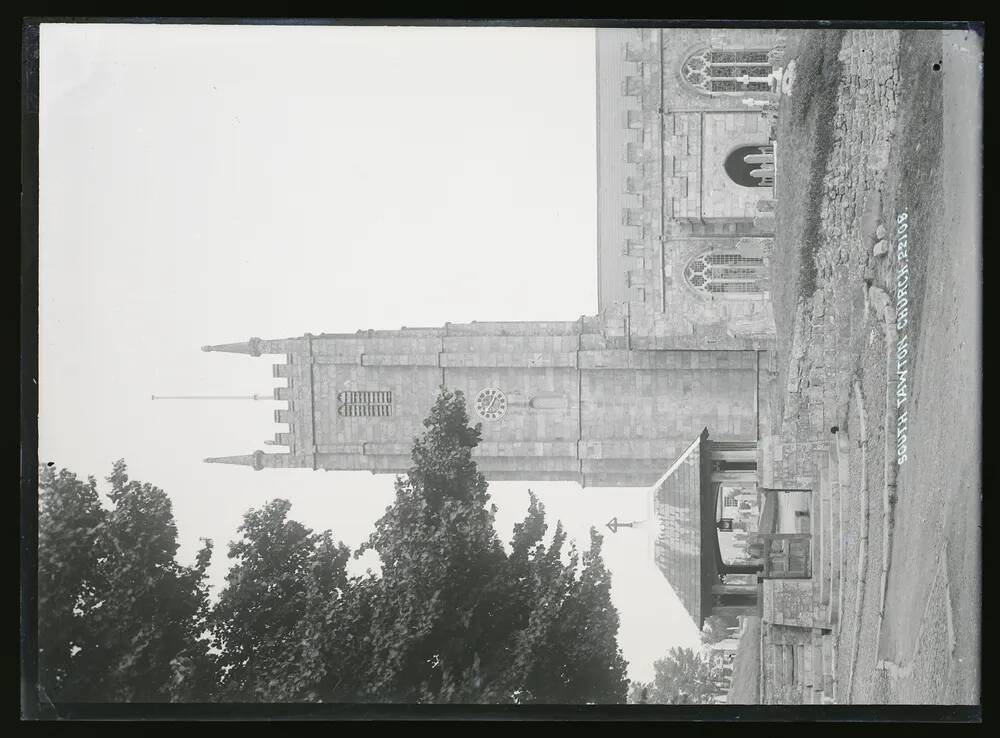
x=206 y=184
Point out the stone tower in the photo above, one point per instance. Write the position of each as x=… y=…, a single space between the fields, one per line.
x=685 y=233
x=557 y=400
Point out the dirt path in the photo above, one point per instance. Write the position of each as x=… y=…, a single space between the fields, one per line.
x=931 y=634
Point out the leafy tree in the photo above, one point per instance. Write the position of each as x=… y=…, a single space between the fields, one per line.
x=137 y=618
x=70 y=517
x=681 y=677
x=638 y=693
x=453 y=617
x=439 y=554
x=568 y=652
x=281 y=570
x=716 y=628
x=597 y=667
x=324 y=653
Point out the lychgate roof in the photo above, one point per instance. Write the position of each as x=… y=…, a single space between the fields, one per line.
x=676 y=528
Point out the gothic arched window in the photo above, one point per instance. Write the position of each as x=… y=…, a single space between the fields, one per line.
x=711 y=70
x=726 y=272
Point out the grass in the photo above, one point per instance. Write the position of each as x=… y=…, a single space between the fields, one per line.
x=805 y=140
x=916 y=169
x=811 y=117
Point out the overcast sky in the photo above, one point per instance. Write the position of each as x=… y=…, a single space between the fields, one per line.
x=206 y=184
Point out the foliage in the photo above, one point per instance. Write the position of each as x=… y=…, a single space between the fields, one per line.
x=639 y=693
x=805 y=141
x=281 y=569
x=716 y=628
x=682 y=677
x=69 y=519
x=457 y=619
x=451 y=617
x=119 y=618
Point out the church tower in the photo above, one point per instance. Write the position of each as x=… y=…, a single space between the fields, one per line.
x=557 y=400
x=687 y=179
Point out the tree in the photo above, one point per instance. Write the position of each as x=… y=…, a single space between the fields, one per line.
x=597 y=667
x=69 y=519
x=568 y=653
x=716 y=628
x=439 y=553
x=281 y=571
x=638 y=693
x=681 y=677
x=453 y=617
x=128 y=621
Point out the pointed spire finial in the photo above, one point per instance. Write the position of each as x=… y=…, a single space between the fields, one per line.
x=251 y=347
x=254 y=460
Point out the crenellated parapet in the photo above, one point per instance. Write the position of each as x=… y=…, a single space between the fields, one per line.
x=629 y=163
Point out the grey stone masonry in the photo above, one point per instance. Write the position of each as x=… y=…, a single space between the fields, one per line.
x=664 y=197
x=685 y=310
x=579 y=405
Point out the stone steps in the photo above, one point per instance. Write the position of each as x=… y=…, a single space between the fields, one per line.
x=826 y=549
x=835 y=534
x=844 y=469
x=829 y=665
x=816 y=552
x=803 y=673
x=824 y=565
x=820 y=548
x=833 y=667
x=823 y=668
x=802 y=666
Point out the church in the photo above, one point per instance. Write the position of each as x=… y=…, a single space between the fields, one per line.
x=686 y=178
x=666 y=386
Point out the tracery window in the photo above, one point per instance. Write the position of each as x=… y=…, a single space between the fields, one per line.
x=725 y=272
x=364 y=404
x=711 y=70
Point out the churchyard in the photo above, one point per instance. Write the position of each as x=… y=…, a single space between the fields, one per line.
x=876 y=283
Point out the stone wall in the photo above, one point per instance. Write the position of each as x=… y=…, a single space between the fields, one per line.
x=672 y=199
x=789 y=602
x=826 y=330
x=724 y=131
x=792 y=665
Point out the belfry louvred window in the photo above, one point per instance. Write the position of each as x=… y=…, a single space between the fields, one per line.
x=364 y=404
x=711 y=71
